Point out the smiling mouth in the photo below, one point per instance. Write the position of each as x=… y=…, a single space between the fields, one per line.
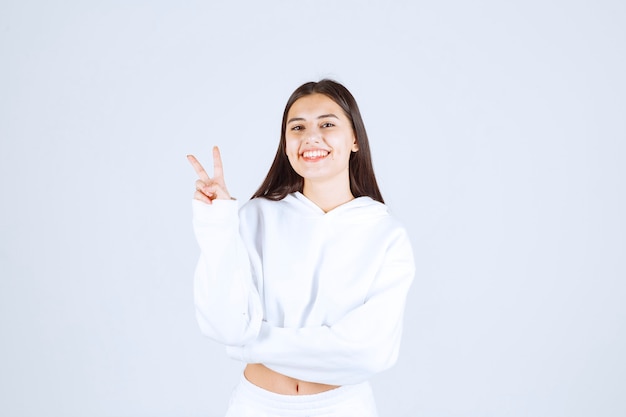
x=314 y=155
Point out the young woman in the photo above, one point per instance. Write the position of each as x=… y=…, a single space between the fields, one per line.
x=307 y=281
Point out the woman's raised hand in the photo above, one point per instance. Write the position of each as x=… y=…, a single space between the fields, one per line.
x=207 y=188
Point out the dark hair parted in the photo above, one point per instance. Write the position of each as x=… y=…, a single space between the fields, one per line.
x=282 y=179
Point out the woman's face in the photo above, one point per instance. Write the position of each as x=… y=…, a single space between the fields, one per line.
x=319 y=140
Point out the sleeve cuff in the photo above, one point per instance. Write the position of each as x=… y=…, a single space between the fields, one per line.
x=218 y=212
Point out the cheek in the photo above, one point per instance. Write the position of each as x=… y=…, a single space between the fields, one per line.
x=291 y=147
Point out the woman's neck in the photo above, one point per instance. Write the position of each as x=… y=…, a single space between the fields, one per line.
x=327 y=196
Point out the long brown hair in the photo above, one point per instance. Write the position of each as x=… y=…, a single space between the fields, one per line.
x=282 y=179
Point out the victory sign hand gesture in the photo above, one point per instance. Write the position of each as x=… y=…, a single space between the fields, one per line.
x=207 y=188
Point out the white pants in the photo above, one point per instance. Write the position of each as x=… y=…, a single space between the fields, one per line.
x=248 y=400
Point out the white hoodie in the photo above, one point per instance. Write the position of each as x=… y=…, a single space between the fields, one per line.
x=315 y=296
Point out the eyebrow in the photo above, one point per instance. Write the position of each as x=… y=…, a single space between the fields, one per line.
x=323 y=116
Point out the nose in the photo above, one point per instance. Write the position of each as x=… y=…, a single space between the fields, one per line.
x=312 y=136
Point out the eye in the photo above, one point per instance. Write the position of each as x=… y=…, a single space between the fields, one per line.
x=328 y=124
x=296 y=128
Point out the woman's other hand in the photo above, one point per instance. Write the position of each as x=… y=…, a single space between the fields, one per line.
x=207 y=188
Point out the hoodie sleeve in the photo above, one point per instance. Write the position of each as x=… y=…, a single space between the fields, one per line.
x=364 y=342
x=228 y=307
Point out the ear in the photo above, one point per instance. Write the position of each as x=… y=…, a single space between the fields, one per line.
x=355 y=146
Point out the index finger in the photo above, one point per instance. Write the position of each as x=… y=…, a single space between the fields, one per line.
x=198 y=168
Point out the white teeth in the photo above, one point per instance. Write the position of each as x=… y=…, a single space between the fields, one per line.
x=314 y=154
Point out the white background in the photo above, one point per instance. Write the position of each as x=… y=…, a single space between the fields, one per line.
x=498 y=132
